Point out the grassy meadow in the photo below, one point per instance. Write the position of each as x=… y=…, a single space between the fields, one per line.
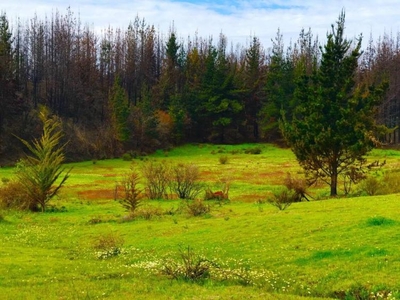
x=342 y=248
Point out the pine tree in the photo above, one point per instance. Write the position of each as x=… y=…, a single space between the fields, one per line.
x=333 y=124
x=119 y=106
x=41 y=172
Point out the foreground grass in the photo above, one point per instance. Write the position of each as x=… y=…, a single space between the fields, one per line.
x=332 y=248
x=323 y=248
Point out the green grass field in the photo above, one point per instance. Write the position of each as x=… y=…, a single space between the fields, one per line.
x=336 y=248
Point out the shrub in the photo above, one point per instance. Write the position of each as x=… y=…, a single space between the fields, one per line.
x=108 y=245
x=126 y=157
x=184 y=181
x=221 y=195
x=192 y=267
x=282 y=199
x=255 y=150
x=157 y=176
x=297 y=186
x=132 y=196
x=13 y=195
x=197 y=208
x=371 y=185
x=39 y=172
x=148 y=212
x=390 y=183
x=223 y=160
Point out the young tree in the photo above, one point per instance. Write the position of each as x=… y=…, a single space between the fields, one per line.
x=119 y=106
x=279 y=89
x=332 y=127
x=40 y=172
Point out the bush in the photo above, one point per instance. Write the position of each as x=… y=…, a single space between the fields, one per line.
x=132 y=196
x=184 y=181
x=157 y=176
x=390 y=183
x=126 y=157
x=282 y=199
x=192 y=267
x=221 y=195
x=297 y=186
x=371 y=185
x=223 y=160
x=108 y=245
x=40 y=171
x=148 y=212
x=197 y=208
x=13 y=195
x=255 y=150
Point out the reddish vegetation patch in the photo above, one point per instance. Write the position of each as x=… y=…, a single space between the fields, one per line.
x=269 y=178
x=97 y=194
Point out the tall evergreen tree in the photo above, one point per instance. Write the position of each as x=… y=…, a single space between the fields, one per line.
x=253 y=85
x=333 y=124
x=279 y=88
x=219 y=99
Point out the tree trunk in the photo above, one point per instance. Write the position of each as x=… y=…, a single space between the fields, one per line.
x=333 y=184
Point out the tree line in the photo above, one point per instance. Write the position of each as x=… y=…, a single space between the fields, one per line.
x=138 y=89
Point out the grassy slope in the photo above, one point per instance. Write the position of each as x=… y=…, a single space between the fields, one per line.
x=313 y=248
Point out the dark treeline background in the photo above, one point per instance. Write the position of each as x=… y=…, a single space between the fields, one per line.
x=137 y=89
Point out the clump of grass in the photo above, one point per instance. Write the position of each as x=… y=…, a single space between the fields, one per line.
x=379 y=221
x=191 y=267
x=196 y=268
x=255 y=150
x=5 y=180
x=282 y=199
x=126 y=156
x=108 y=245
x=95 y=220
x=223 y=160
x=197 y=208
x=148 y=212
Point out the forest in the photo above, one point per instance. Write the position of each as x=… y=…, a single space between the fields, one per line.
x=135 y=90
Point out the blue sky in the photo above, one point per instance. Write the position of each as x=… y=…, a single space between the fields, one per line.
x=237 y=19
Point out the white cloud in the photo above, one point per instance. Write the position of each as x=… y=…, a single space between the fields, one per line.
x=238 y=20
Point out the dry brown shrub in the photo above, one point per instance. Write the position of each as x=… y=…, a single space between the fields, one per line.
x=13 y=195
x=185 y=181
x=298 y=186
x=157 y=177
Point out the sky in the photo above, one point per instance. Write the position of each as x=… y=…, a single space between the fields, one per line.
x=238 y=20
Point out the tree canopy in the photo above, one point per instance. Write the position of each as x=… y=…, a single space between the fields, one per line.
x=138 y=89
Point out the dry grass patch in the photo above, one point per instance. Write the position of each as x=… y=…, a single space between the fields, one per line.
x=96 y=194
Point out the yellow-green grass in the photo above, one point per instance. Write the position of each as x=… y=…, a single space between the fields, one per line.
x=319 y=249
